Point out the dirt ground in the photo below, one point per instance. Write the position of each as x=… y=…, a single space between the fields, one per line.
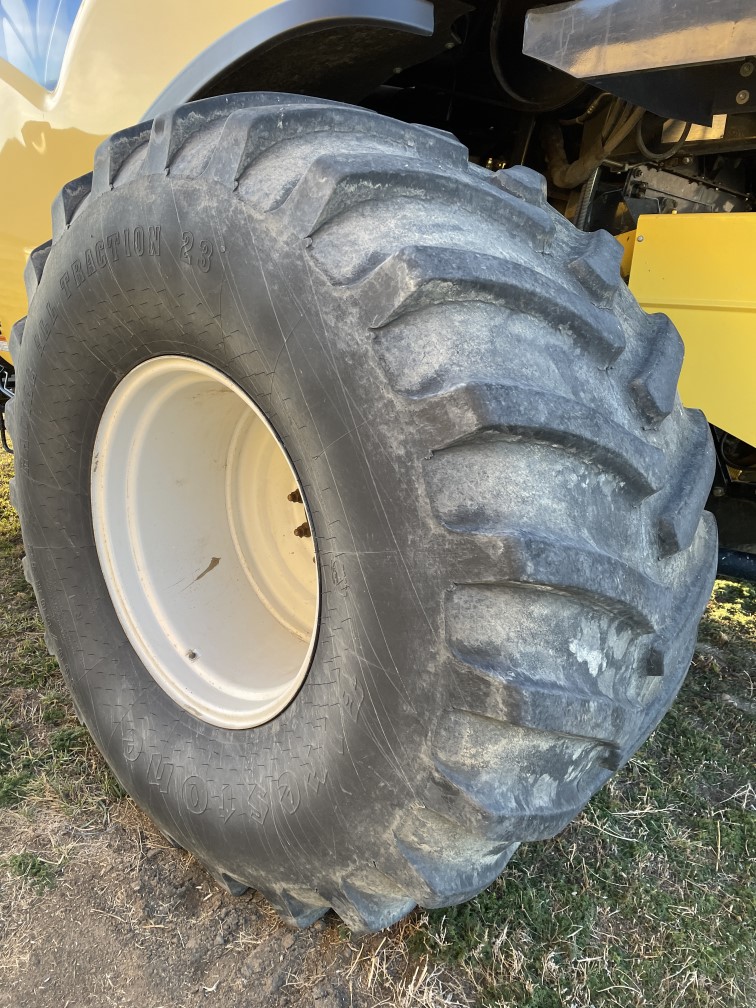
x=131 y=921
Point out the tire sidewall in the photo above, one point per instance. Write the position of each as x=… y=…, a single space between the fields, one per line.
x=216 y=281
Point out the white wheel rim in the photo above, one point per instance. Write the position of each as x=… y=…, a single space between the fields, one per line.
x=196 y=540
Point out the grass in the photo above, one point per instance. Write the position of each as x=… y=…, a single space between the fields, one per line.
x=35 y=870
x=647 y=900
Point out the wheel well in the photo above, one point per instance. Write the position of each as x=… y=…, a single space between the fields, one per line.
x=345 y=63
x=328 y=53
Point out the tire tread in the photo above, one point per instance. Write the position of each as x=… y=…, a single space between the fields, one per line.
x=436 y=849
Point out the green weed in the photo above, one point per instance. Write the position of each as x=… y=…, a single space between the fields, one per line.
x=33 y=869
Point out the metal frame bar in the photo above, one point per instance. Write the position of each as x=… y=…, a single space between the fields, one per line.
x=594 y=38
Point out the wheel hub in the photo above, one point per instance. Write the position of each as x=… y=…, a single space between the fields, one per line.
x=203 y=536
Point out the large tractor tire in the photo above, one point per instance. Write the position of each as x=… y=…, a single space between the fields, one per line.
x=361 y=511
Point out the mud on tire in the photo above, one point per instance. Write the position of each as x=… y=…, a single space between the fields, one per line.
x=506 y=495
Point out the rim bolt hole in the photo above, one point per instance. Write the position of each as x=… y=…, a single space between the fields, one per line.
x=192 y=655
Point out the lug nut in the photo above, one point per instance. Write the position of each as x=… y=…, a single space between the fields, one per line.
x=295 y=497
x=303 y=531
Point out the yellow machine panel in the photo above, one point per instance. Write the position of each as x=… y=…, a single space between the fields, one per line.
x=700 y=269
x=119 y=58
